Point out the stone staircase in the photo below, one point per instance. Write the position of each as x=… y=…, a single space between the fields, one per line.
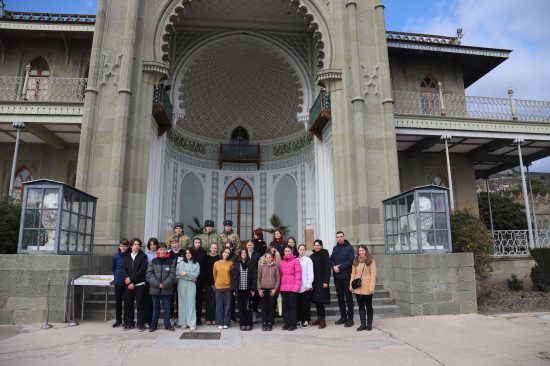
x=384 y=306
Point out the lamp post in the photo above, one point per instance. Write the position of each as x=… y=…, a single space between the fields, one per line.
x=446 y=138
x=520 y=141
x=19 y=126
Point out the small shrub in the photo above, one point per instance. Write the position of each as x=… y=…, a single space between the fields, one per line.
x=10 y=215
x=469 y=234
x=514 y=283
x=540 y=273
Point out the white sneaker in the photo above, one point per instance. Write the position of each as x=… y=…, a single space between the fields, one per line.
x=220 y=327
x=305 y=324
x=225 y=327
x=192 y=329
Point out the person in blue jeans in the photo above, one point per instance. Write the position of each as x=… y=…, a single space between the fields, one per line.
x=161 y=276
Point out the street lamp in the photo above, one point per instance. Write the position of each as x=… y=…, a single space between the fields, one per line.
x=19 y=126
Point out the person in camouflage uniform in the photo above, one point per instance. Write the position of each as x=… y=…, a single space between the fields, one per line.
x=229 y=236
x=208 y=236
x=185 y=241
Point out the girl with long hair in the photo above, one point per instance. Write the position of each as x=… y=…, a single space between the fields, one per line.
x=364 y=269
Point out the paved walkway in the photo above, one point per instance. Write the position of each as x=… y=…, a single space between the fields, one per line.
x=513 y=339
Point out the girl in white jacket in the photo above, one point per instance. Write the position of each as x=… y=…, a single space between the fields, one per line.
x=304 y=296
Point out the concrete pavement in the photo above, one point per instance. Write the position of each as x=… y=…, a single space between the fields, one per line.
x=471 y=339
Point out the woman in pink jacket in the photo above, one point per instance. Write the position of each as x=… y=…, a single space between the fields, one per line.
x=291 y=281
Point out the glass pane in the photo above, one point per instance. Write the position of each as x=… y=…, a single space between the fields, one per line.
x=231 y=191
x=425 y=202
x=75 y=203
x=442 y=239
x=246 y=192
x=72 y=242
x=80 y=243
x=49 y=239
x=34 y=199
x=410 y=201
x=51 y=198
x=49 y=219
x=427 y=237
x=411 y=223
x=426 y=221
x=74 y=222
x=83 y=206
x=30 y=239
x=87 y=240
x=395 y=224
x=65 y=219
x=82 y=225
x=89 y=226
x=43 y=237
x=439 y=199
x=67 y=200
x=440 y=221
x=63 y=241
x=91 y=206
x=32 y=219
x=402 y=207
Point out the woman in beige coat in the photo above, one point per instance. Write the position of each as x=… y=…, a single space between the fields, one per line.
x=364 y=268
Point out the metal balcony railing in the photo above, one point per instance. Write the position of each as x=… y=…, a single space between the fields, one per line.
x=42 y=89
x=516 y=242
x=234 y=153
x=162 y=109
x=320 y=113
x=438 y=104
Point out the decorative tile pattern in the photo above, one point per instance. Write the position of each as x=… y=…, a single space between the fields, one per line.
x=263 y=199
x=214 y=200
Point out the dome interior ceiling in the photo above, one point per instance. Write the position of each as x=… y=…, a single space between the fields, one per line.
x=239 y=81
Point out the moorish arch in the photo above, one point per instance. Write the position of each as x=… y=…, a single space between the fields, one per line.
x=171 y=13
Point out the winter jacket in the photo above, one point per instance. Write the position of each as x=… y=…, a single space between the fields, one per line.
x=150 y=255
x=307 y=273
x=250 y=279
x=280 y=246
x=161 y=270
x=368 y=278
x=321 y=274
x=291 y=274
x=118 y=268
x=200 y=257
x=209 y=261
x=343 y=255
x=268 y=276
x=136 y=268
x=254 y=258
x=260 y=246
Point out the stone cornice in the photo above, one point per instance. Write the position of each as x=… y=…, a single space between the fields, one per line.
x=156 y=67
x=47 y=26
x=41 y=109
x=328 y=74
x=470 y=124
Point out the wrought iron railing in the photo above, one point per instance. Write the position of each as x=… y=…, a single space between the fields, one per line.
x=160 y=96
x=516 y=242
x=437 y=104
x=234 y=153
x=42 y=89
x=47 y=17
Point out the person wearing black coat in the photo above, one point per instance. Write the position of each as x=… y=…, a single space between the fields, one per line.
x=118 y=273
x=341 y=262
x=135 y=268
x=320 y=295
x=200 y=255
x=243 y=284
x=260 y=245
x=254 y=259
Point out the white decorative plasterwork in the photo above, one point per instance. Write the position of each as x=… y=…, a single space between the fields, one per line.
x=328 y=74
x=370 y=81
x=156 y=67
x=110 y=69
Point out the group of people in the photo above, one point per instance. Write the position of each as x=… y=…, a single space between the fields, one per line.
x=215 y=270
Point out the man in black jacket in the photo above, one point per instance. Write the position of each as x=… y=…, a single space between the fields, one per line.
x=341 y=261
x=135 y=268
x=200 y=255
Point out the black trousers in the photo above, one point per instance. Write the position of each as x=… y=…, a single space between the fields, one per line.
x=268 y=307
x=138 y=295
x=245 y=309
x=210 y=302
x=320 y=309
x=199 y=299
x=345 y=297
x=148 y=305
x=290 y=305
x=304 y=306
x=119 y=296
x=233 y=300
x=365 y=301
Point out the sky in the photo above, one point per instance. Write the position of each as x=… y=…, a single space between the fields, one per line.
x=521 y=26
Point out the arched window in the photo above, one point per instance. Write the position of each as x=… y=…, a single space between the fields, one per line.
x=239 y=207
x=429 y=96
x=239 y=136
x=23 y=174
x=38 y=84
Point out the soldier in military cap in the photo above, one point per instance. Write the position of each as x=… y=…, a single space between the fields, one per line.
x=184 y=240
x=208 y=236
x=229 y=236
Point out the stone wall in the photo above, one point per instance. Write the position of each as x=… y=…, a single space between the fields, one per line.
x=430 y=284
x=504 y=267
x=24 y=287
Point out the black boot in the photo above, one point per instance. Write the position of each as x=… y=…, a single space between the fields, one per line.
x=369 y=322
x=362 y=317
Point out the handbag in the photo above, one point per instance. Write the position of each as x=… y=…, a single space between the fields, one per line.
x=356 y=283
